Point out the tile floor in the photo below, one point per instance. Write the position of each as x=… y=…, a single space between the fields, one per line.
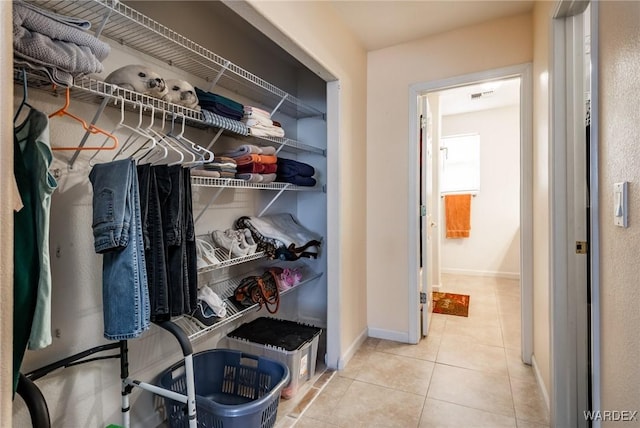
x=466 y=373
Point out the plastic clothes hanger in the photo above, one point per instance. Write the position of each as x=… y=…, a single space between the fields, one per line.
x=203 y=154
x=118 y=126
x=92 y=129
x=135 y=133
x=162 y=143
x=25 y=96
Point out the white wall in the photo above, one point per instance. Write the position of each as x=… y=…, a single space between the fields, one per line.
x=494 y=44
x=619 y=161
x=316 y=31
x=541 y=330
x=493 y=246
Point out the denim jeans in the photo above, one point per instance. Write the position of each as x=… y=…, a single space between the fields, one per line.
x=151 y=211
x=173 y=224
x=117 y=232
x=190 y=246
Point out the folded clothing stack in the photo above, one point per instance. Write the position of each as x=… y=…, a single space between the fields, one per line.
x=255 y=164
x=295 y=172
x=220 y=105
x=260 y=124
x=56 y=43
x=223 y=165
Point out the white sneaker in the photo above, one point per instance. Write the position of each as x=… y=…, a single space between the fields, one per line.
x=230 y=241
x=248 y=239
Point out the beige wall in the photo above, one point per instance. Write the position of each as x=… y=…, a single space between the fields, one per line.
x=6 y=216
x=619 y=248
x=541 y=27
x=391 y=71
x=317 y=31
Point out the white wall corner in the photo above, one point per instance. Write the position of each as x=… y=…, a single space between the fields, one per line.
x=540 y=382
x=396 y=336
x=351 y=351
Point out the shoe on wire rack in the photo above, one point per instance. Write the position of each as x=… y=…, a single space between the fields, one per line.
x=203 y=315
x=230 y=241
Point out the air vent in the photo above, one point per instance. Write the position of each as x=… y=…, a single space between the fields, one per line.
x=479 y=95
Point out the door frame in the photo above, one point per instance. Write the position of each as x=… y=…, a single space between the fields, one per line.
x=525 y=73
x=568 y=364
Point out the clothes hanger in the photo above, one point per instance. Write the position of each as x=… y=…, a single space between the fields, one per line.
x=203 y=154
x=134 y=134
x=163 y=144
x=25 y=96
x=92 y=129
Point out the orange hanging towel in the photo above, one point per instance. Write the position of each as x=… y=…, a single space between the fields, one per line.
x=458 y=214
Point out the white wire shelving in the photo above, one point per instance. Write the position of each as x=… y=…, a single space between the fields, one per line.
x=225 y=289
x=234 y=183
x=91 y=90
x=226 y=260
x=130 y=28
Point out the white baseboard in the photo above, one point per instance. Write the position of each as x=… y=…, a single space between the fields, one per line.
x=344 y=359
x=471 y=272
x=540 y=383
x=396 y=336
x=435 y=287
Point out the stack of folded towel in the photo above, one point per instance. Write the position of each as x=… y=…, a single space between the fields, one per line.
x=255 y=164
x=220 y=105
x=221 y=112
x=298 y=173
x=56 y=43
x=223 y=165
x=260 y=124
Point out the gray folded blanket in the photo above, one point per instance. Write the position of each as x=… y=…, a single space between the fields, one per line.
x=65 y=48
x=58 y=28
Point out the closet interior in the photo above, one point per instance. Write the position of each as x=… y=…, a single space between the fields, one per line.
x=215 y=50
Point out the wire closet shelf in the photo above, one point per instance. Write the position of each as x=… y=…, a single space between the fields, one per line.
x=131 y=28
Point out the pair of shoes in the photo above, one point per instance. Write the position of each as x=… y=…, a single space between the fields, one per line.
x=239 y=242
x=205 y=253
x=203 y=315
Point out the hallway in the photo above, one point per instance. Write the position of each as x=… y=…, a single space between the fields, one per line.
x=467 y=372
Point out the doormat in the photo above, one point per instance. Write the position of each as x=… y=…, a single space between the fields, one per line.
x=451 y=304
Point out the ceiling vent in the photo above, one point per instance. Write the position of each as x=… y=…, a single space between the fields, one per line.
x=479 y=95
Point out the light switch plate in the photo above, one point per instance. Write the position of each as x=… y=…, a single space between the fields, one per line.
x=620 y=203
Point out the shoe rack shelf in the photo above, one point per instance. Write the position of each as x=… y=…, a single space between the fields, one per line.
x=225 y=288
x=222 y=254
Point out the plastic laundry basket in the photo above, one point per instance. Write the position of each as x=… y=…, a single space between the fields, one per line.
x=233 y=390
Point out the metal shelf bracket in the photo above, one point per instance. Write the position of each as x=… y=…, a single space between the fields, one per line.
x=277 y=195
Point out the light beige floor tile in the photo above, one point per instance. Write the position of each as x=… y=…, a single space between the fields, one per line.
x=359 y=360
x=329 y=399
x=511 y=335
x=518 y=369
x=306 y=422
x=526 y=424
x=285 y=421
x=367 y=405
x=483 y=391
x=397 y=372
x=426 y=349
x=440 y=414
x=462 y=351
x=486 y=331
x=528 y=400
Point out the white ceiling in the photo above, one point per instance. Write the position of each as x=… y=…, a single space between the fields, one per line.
x=494 y=94
x=383 y=23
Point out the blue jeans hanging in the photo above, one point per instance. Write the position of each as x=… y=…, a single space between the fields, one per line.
x=117 y=235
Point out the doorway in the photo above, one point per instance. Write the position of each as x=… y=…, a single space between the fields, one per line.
x=429 y=217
